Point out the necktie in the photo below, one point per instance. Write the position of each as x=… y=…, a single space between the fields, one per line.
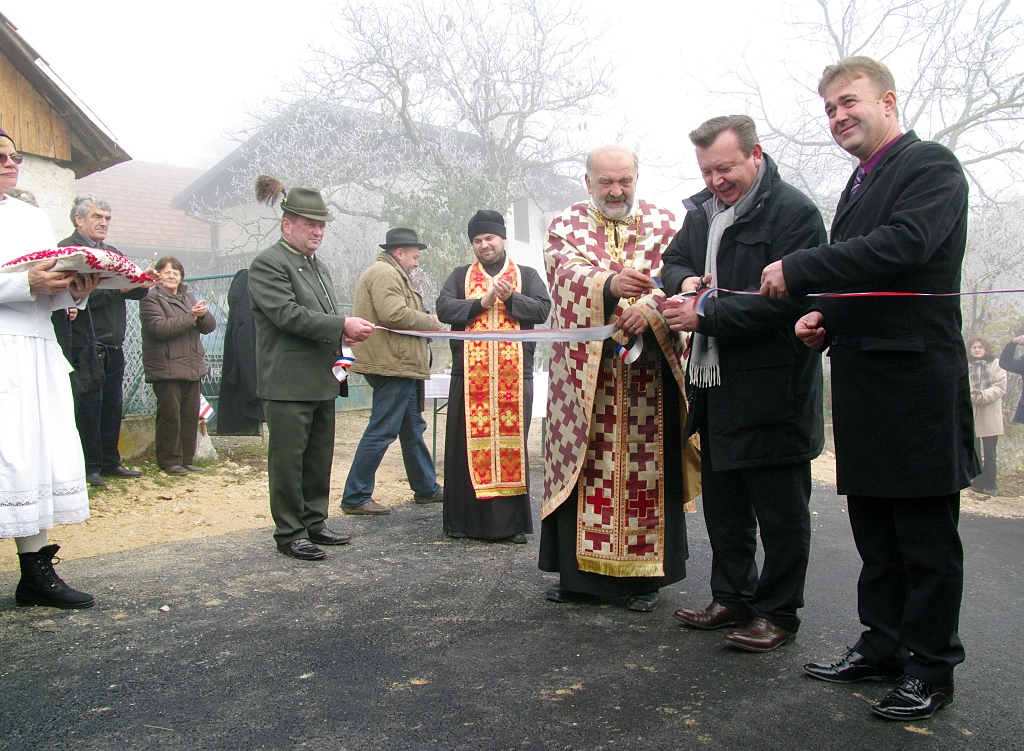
x=856 y=183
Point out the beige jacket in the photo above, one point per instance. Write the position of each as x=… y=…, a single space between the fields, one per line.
x=988 y=416
x=385 y=297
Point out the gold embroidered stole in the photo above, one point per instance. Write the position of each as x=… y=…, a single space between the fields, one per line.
x=495 y=434
x=621 y=498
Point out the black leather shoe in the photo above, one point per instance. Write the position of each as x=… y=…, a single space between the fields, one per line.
x=913 y=699
x=302 y=549
x=558 y=594
x=644 y=603
x=854 y=667
x=122 y=471
x=329 y=537
x=193 y=468
x=177 y=470
x=95 y=480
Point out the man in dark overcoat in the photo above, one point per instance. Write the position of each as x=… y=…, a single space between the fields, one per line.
x=901 y=402
x=104 y=320
x=299 y=336
x=755 y=389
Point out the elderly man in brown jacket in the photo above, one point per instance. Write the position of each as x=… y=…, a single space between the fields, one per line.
x=394 y=365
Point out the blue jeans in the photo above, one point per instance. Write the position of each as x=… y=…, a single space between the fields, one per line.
x=395 y=414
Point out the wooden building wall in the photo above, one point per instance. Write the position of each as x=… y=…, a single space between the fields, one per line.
x=33 y=124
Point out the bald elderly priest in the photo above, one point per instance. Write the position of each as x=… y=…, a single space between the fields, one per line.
x=298 y=338
x=486 y=467
x=616 y=470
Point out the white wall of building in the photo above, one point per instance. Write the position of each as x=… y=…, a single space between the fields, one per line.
x=53 y=187
x=527 y=230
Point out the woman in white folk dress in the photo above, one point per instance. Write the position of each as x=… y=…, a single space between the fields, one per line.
x=42 y=470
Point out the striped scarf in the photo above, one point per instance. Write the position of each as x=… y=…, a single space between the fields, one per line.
x=981 y=374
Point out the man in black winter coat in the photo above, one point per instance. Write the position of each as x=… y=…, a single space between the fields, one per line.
x=98 y=416
x=755 y=389
x=901 y=401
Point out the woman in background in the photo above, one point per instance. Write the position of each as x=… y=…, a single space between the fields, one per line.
x=988 y=386
x=174 y=361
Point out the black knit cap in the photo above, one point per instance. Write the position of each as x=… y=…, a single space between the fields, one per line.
x=486 y=221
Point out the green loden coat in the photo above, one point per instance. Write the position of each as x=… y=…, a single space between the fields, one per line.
x=298 y=333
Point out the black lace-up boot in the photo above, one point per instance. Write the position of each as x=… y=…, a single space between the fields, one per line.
x=40 y=584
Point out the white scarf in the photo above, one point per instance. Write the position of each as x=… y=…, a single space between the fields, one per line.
x=704 y=368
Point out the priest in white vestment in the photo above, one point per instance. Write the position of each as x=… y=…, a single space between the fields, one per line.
x=42 y=470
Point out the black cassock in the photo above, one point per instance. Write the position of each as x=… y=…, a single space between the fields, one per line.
x=464 y=514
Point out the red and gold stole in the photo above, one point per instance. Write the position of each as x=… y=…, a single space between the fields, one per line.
x=495 y=437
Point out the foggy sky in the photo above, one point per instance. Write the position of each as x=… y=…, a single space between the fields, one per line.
x=171 y=80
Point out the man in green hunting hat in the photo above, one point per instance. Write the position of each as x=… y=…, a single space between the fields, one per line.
x=299 y=336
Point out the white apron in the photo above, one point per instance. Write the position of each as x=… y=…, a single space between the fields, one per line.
x=42 y=470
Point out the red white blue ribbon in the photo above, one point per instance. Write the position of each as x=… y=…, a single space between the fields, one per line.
x=205 y=410
x=343 y=363
x=630 y=355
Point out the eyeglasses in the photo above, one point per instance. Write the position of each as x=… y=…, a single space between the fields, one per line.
x=16 y=158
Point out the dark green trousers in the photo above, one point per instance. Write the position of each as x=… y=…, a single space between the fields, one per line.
x=299 y=456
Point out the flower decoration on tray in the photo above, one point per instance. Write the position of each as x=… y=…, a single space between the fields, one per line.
x=116 y=271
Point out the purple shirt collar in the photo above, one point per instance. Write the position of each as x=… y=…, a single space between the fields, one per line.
x=873 y=161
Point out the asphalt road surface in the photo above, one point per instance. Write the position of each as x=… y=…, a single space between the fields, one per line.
x=407 y=640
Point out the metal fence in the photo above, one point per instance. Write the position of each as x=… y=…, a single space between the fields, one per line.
x=139 y=398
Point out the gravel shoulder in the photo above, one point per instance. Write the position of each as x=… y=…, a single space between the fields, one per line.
x=231 y=495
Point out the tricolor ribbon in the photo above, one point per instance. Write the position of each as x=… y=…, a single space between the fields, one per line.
x=343 y=363
x=205 y=410
x=630 y=355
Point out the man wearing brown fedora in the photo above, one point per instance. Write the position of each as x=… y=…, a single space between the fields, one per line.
x=395 y=366
x=298 y=331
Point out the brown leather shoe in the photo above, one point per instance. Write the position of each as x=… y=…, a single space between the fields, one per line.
x=712 y=617
x=759 y=636
x=370 y=508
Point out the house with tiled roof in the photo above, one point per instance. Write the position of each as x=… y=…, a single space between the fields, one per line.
x=59 y=136
x=143 y=223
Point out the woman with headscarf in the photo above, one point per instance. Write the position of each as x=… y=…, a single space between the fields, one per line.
x=42 y=470
x=174 y=361
x=988 y=386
